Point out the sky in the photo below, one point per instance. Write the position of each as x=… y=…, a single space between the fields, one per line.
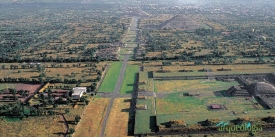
x=129 y=1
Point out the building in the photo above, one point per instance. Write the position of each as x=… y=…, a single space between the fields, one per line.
x=262 y=89
x=216 y=106
x=236 y=90
x=265 y=92
x=78 y=92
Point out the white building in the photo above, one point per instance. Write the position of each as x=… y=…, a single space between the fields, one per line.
x=78 y=92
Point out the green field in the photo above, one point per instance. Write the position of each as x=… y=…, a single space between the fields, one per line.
x=109 y=82
x=205 y=26
x=129 y=44
x=166 y=105
x=5 y=86
x=194 y=109
x=144 y=122
x=191 y=85
x=123 y=51
x=129 y=39
x=132 y=32
x=143 y=76
x=129 y=79
x=121 y=57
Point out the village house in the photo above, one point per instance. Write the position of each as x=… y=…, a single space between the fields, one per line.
x=78 y=92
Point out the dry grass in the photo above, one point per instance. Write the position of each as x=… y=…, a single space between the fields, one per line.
x=215 y=25
x=152 y=54
x=117 y=124
x=191 y=43
x=51 y=72
x=66 y=73
x=181 y=85
x=91 y=120
x=75 y=45
x=29 y=72
x=167 y=106
x=92 y=45
x=33 y=127
x=25 y=73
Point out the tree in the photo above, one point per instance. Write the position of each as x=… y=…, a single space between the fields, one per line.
x=73 y=74
x=99 y=73
x=19 y=71
x=89 y=90
x=41 y=95
x=12 y=91
x=67 y=111
x=97 y=78
x=42 y=75
x=92 y=94
x=3 y=66
x=41 y=80
x=77 y=118
x=39 y=68
x=71 y=130
x=51 y=112
x=69 y=99
x=167 y=63
x=87 y=102
x=55 y=105
x=50 y=101
x=82 y=99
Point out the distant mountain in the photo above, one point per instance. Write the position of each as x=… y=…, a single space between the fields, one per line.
x=40 y=1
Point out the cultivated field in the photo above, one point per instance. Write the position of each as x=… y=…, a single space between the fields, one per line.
x=6 y=86
x=26 y=73
x=41 y=126
x=30 y=87
x=53 y=70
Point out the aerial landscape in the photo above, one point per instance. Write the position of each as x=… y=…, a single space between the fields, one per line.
x=135 y=68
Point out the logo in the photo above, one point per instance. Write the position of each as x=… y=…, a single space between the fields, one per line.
x=244 y=127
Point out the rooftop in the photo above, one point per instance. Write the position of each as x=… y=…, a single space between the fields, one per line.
x=79 y=88
x=216 y=106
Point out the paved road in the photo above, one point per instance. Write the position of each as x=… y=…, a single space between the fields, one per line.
x=115 y=94
x=210 y=74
